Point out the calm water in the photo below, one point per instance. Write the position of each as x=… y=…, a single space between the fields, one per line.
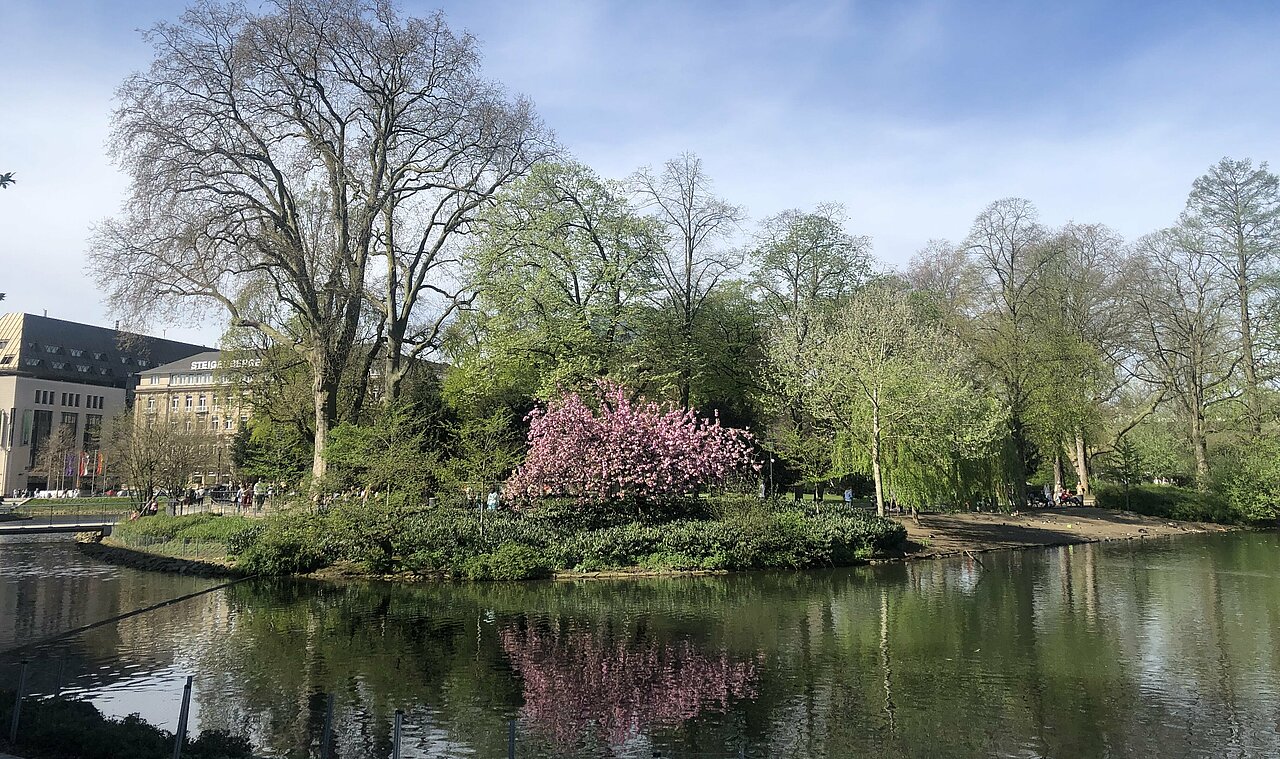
x=1165 y=648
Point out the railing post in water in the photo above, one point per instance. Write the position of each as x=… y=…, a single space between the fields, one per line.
x=62 y=672
x=395 y=735
x=181 y=736
x=327 y=732
x=17 y=703
x=511 y=739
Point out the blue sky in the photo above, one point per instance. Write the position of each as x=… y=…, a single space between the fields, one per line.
x=915 y=115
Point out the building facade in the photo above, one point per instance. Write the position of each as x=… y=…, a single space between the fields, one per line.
x=200 y=393
x=60 y=384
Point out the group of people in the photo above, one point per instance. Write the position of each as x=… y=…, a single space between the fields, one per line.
x=492 y=502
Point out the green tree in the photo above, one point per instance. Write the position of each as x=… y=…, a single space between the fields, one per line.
x=563 y=270
x=890 y=387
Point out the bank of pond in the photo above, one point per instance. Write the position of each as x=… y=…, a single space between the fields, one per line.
x=389 y=538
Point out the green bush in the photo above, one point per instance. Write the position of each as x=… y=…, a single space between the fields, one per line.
x=508 y=546
x=512 y=561
x=62 y=727
x=1166 y=502
x=1247 y=477
x=290 y=542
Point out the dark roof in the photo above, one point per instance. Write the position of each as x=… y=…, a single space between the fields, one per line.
x=187 y=364
x=45 y=348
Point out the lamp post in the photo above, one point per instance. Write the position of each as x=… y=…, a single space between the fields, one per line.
x=770 y=475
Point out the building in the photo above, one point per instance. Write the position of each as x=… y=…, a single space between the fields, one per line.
x=197 y=393
x=60 y=382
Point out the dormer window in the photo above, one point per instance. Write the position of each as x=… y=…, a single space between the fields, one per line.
x=52 y=349
x=76 y=352
x=82 y=368
x=58 y=364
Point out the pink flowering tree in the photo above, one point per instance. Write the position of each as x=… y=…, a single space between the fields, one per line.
x=625 y=450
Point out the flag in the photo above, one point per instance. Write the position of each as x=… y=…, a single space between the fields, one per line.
x=84 y=464
x=101 y=462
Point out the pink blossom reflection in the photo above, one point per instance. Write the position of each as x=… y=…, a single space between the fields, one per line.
x=581 y=685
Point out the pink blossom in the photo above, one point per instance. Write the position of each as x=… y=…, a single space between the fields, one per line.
x=644 y=450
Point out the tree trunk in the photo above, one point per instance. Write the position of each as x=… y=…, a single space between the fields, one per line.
x=875 y=460
x=1200 y=448
x=1057 y=470
x=1082 y=464
x=1252 y=401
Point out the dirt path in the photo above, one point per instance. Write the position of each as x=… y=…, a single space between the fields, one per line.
x=948 y=534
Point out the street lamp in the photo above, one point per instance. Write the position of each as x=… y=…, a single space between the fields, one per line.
x=771 y=475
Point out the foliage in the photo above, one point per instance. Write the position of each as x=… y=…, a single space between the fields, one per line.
x=484 y=450
x=890 y=390
x=387 y=455
x=1247 y=477
x=291 y=542
x=734 y=532
x=271 y=451
x=205 y=527
x=1166 y=501
x=61 y=727
x=562 y=272
x=625 y=450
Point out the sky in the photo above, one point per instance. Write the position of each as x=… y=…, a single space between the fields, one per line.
x=914 y=114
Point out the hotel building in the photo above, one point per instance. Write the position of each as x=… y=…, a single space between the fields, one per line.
x=62 y=381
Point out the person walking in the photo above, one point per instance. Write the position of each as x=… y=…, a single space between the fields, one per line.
x=494 y=498
x=259 y=495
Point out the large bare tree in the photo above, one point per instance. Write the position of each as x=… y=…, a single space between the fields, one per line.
x=1007 y=244
x=1236 y=208
x=698 y=224
x=275 y=157
x=1186 y=322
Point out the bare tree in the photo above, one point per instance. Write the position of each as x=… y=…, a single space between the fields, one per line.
x=1007 y=244
x=1236 y=209
x=806 y=259
x=150 y=456
x=697 y=223
x=272 y=157
x=945 y=271
x=1186 y=320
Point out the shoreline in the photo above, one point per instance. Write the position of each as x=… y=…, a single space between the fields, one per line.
x=935 y=536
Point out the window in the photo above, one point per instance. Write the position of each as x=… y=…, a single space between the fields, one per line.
x=105 y=371
x=92 y=431
x=26 y=426
x=77 y=403
x=7 y=359
x=71 y=420
x=4 y=344
x=213 y=422
x=82 y=368
x=153 y=379
x=229 y=423
x=187 y=426
x=62 y=400
x=99 y=356
x=175 y=403
x=76 y=352
x=58 y=364
x=52 y=349
x=187 y=405
x=151 y=404
x=201 y=404
x=32 y=362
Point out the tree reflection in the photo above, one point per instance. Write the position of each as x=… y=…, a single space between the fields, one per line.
x=583 y=684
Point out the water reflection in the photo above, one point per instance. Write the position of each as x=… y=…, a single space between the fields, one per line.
x=603 y=688
x=1168 y=648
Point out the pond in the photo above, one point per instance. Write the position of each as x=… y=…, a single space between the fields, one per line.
x=1164 y=648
